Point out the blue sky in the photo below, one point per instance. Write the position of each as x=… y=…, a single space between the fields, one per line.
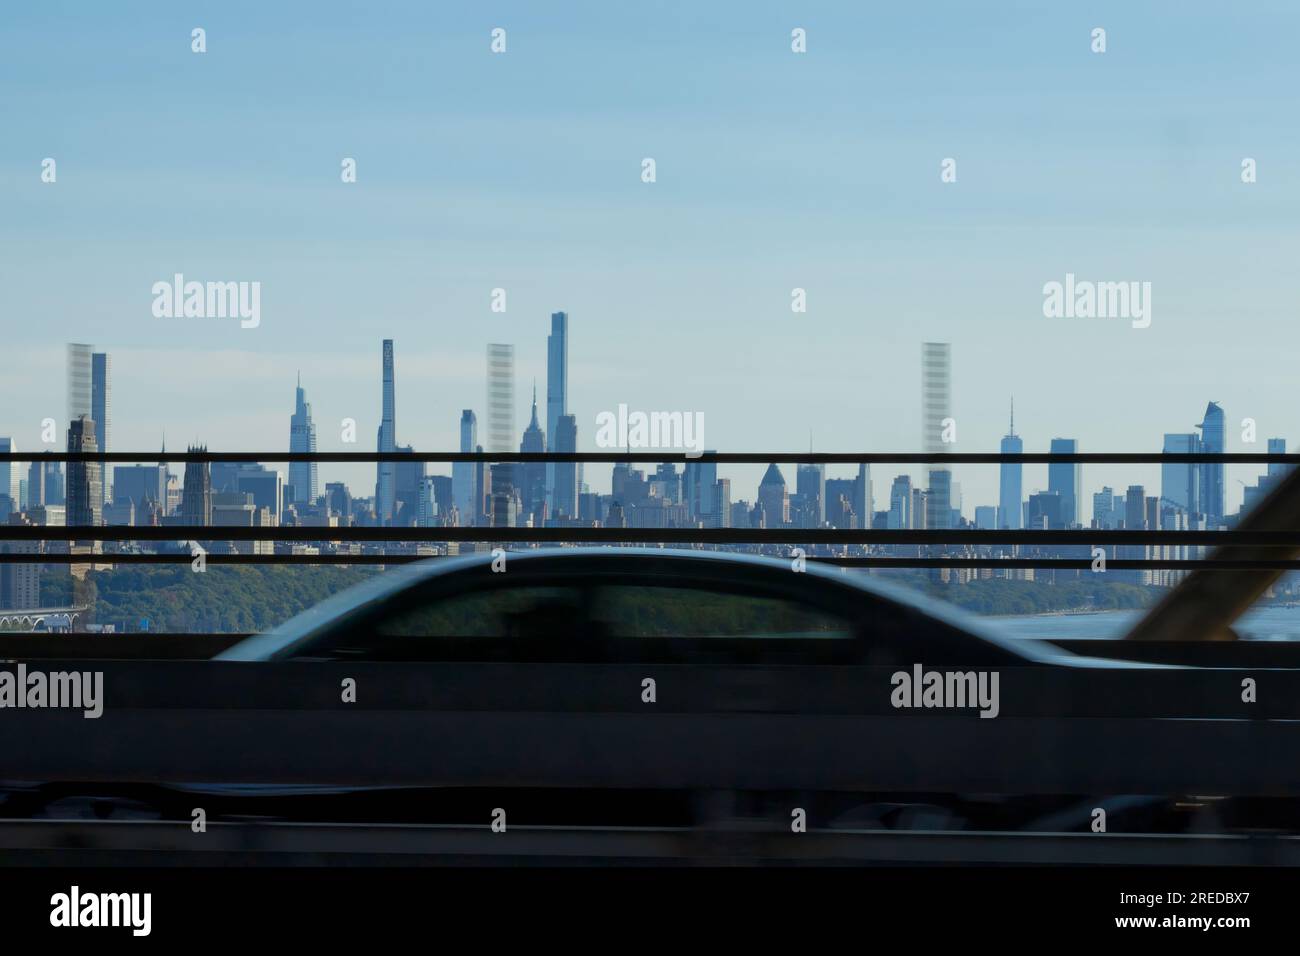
x=775 y=170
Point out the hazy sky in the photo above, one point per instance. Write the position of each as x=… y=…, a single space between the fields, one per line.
x=775 y=170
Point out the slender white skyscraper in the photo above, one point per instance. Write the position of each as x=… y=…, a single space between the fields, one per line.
x=500 y=398
x=386 y=485
x=79 y=380
x=557 y=390
x=302 y=437
x=936 y=407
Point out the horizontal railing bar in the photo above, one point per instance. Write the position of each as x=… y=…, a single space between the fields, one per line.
x=667 y=455
x=1067 y=564
x=1046 y=564
x=957 y=536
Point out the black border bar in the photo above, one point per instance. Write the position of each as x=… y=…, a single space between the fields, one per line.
x=341 y=560
x=670 y=455
x=796 y=536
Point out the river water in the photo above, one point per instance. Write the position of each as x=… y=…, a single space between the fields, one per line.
x=1264 y=623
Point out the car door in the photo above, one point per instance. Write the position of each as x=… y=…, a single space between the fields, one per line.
x=631 y=673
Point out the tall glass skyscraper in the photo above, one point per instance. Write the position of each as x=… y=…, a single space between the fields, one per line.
x=1179 y=482
x=699 y=479
x=900 y=504
x=1277 y=446
x=566 y=472
x=386 y=483
x=464 y=486
x=1066 y=480
x=101 y=410
x=557 y=389
x=810 y=483
x=1010 y=514
x=9 y=480
x=863 y=499
x=1212 y=489
x=302 y=437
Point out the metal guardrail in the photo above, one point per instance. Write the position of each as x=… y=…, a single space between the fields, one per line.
x=162 y=646
x=83 y=843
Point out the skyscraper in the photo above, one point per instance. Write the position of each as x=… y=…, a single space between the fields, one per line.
x=557 y=386
x=408 y=482
x=1211 y=490
x=1277 y=446
x=302 y=438
x=1103 y=508
x=863 y=498
x=339 y=501
x=36 y=477
x=501 y=405
x=900 y=504
x=773 y=498
x=1180 y=482
x=1047 y=510
x=700 y=479
x=1011 y=475
x=810 y=484
x=9 y=480
x=1135 y=518
x=463 y=473
x=79 y=380
x=85 y=484
x=1066 y=479
x=196 y=495
x=936 y=408
x=566 y=472
x=44 y=484
x=101 y=410
x=533 y=473
x=482 y=491
x=141 y=485
x=386 y=483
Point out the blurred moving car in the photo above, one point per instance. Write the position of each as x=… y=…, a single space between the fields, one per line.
x=635 y=605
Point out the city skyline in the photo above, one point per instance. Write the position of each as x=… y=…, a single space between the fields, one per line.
x=1196 y=488
x=776 y=172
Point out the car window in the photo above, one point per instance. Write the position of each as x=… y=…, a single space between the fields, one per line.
x=707 y=612
x=502 y=611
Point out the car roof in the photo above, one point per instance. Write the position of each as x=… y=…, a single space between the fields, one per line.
x=383 y=586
